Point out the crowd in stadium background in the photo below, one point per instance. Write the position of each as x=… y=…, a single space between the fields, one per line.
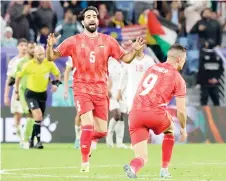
x=37 y=19
x=160 y=22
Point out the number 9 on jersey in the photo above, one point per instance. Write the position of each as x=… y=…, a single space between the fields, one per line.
x=149 y=83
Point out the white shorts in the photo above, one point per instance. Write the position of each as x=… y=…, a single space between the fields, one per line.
x=129 y=102
x=15 y=106
x=123 y=106
x=114 y=104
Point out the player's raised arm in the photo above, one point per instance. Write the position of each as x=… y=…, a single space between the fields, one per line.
x=137 y=45
x=52 y=55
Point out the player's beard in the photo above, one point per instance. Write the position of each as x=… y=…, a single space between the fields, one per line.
x=91 y=29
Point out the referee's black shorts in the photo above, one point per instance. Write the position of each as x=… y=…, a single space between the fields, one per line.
x=36 y=100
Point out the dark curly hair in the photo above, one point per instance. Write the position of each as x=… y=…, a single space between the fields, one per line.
x=81 y=15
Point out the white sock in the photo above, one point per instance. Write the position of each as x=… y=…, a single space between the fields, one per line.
x=77 y=132
x=111 y=129
x=120 y=129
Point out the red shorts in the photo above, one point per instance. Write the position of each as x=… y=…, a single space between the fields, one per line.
x=141 y=121
x=98 y=103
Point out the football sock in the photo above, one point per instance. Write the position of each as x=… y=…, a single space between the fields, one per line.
x=98 y=135
x=111 y=129
x=86 y=139
x=77 y=132
x=18 y=132
x=37 y=130
x=167 y=148
x=28 y=129
x=136 y=164
x=119 y=130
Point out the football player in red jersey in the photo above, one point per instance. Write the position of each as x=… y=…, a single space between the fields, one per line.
x=159 y=84
x=90 y=52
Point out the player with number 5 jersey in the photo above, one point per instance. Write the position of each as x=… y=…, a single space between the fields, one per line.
x=159 y=85
x=90 y=52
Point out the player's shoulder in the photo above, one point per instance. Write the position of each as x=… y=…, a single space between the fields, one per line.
x=74 y=38
x=106 y=37
x=27 y=64
x=48 y=63
x=14 y=61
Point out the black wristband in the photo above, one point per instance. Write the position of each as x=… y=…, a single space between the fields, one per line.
x=11 y=81
x=56 y=82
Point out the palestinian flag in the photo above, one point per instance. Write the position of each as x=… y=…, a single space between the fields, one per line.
x=163 y=31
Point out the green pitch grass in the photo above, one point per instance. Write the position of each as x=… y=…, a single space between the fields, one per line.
x=60 y=162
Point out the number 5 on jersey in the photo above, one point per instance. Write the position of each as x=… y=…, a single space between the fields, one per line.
x=92 y=58
x=149 y=83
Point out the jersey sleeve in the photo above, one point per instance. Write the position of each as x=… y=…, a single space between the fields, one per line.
x=69 y=62
x=11 y=68
x=54 y=70
x=23 y=71
x=65 y=47
x=116 y=50
x=180 y=87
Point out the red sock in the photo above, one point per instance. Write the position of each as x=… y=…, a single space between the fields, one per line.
x=98 y=135
x=167 y=148
x=86 y=139
x=137 y=164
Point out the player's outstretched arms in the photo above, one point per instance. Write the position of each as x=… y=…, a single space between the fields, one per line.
x=182 y=116
x=137 y=45
x=50 y=53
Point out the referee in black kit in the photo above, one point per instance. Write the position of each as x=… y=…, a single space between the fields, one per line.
x=37 y=71
x=210 y=70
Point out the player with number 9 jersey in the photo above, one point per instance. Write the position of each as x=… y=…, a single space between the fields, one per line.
x=158 y=86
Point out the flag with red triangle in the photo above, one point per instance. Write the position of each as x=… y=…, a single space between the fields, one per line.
x=163 y=31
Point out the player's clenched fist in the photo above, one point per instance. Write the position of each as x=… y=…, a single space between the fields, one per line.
x=183 y=134
x=139 y=43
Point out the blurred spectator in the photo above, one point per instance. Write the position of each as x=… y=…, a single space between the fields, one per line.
x=3 y=24
x=192 y=13
x=58 y=9
x=4 y=7
x=44 y=16
x=69 y=26
x=43 y=35
x=140 y=6
x=7 y=40
x=104 y=18
x=74 y=5
x=164 y=9
x=118 y=20
x=224 y=36
x=209 y=30
x=109 y=4
x=175 y=10
x=18 y=19
x=210 y=71
x=128 y=9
